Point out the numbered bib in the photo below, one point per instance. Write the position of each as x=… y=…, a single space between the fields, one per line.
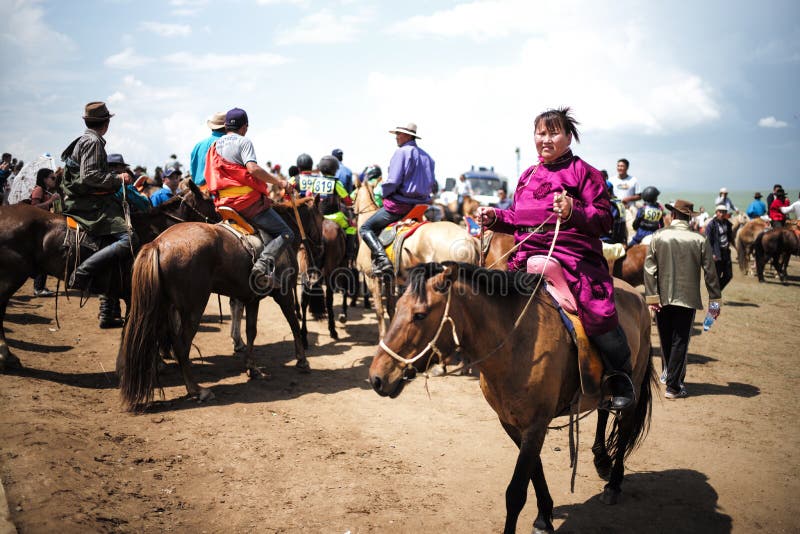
x=324 y=186
x=306 y=182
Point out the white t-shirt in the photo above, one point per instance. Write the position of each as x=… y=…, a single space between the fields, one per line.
x=625 y=188
x=464 y=188
x=236 y=149
x=792 y=208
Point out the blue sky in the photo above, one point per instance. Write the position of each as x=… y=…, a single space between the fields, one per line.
x=698 y=95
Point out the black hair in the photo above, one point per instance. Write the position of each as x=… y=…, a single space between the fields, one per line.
x=293 y=171
x=604 y=173
x=41 y=175
x=6 y=155
x=559 y=119
x=777 y=186
x=625 y=161
x=95 y=124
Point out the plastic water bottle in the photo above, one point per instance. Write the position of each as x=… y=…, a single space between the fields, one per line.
x=709 y=320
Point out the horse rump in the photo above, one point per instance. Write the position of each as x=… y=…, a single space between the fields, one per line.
x=145 y=334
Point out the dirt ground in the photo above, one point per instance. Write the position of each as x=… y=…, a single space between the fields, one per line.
x=323 y=453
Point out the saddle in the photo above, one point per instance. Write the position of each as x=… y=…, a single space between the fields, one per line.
x=245 y=232
x=590 y=363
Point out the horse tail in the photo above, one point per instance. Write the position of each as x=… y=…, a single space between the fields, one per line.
x=315 y=295
x=145 y=332
x=642 y=413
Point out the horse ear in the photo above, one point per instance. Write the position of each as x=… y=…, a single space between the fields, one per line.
x=193 y=187
x=316 y=201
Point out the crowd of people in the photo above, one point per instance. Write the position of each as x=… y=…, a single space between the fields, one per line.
x=592 y=207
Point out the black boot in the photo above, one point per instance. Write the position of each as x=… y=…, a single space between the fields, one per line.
x=381 y=266
x=97 y=262
x=107 y=315
x=263 y=272
x=616 y=354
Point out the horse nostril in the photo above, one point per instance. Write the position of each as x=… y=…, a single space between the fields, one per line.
x=377 y=383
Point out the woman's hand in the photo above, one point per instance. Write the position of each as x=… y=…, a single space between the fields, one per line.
x=486 y=215
x=562 y=205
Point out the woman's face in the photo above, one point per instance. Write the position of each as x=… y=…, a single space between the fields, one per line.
x=551 y=144
x=50 y=181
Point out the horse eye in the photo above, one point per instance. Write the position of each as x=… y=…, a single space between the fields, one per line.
x=420 y=316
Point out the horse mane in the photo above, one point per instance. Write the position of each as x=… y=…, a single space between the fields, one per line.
x=489 y=282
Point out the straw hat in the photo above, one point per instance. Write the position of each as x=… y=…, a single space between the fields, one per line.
x=410 y=129
x=216 y=121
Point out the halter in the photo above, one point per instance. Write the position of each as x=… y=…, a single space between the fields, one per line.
x=431 y=346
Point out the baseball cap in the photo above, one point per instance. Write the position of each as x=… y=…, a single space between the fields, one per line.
x=236 y=118
x=170 y=171
x=337 y=152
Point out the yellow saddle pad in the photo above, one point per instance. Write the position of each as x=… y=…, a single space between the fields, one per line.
x=590 y=364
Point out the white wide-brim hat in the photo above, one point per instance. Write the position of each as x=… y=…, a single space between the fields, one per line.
x=410 y=129
x=721 y=207
x=216 y=121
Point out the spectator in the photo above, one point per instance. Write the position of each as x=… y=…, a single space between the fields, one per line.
x=45 y=196
x=619 y=226
x=172 y=179
x=344 y=174
x=503 y=202
x=699 y=222
x=724 y=200
x=197 y=161
x=776 y=214
x=626 y=187
x=794 y=208
x=771 y=196
x=463 y=190
x=6 y=167
x=672 y=267
x=173 y=163
x=719 y=234
x=757 y=208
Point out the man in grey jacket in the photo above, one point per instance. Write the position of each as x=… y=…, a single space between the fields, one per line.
x=675 y=257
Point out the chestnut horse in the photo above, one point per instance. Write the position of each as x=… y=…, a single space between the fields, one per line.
x=528 y=374
x=173 y=278
x=32 y=241
x=435 y=241
x=745 y=238
x=777 y=245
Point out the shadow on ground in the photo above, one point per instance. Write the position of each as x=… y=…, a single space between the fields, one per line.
x=675 y=501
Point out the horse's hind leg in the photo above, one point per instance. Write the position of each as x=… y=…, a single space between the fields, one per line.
x=602 y=461
x=329 y=291
x=182 y=330
x=7 y=360
x=237 y=309
x=624 y=428
x=253 y=371
x=528 y=467
x=286 y=301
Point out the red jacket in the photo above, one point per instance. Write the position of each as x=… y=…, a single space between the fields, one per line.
x=223 y=175
x=775 y=213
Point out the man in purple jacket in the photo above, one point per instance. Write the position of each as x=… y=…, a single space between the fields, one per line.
x=410 y=182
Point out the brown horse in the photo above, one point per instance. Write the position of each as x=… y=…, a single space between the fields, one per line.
x=333 y=273
x=173 y=278
x=777 y=245
x=435 y=241
x=745 y=238
x=32 y=241
x=528 y=375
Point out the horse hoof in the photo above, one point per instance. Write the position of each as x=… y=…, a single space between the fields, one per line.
x=205 y=395
x=303 y=366
x=342 y=318
x=257 y=373
x=537 y=530
x=610 y=496
x=8 y=361
x=437 y=370
x=335 y=335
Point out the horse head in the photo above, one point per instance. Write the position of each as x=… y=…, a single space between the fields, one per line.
x=198 y=205
x=421 y=333
x=365 y=198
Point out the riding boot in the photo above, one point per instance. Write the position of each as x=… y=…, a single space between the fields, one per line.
x=107 y=316
x=616 y=354
x=263 y=271
x=97 y=262
x=381 y=265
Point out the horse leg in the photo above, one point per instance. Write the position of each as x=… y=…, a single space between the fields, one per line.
x=528 y=467
x=375 y=288
x=286 y=301
x=183 y=327
x=303 y=312
x=253 y=371
x=7 y=360
x=237 y=309
x=613 y=489
x=602 y=461
x=346 y=290
x=329 y=289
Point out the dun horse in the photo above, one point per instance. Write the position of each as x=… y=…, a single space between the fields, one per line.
x=432 y=242
x=173 y=278
x=528 y=375
x=745 y=238
x=777 y=245
x=33 y=241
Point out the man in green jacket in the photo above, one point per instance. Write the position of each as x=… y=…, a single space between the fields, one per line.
x=89 y=186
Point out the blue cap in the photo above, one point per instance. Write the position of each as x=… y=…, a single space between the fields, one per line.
x=236 y=118
x=115 y=159
x=169 y=171
x=337 y=152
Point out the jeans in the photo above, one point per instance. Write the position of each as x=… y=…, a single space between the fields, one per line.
x=376 y=224
x=724 y=268
x=674 y=329
x=118 y=248
x=271 y=223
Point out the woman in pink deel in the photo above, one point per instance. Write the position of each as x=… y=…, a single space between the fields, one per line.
x=563 y=185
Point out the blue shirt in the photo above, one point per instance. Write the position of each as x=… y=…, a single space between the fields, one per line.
x=756 y=209
x=411 y=176
x=345 y=177
x=161 y=196
x=197 y=163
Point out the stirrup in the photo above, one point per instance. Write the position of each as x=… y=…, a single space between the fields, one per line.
x=608 y=403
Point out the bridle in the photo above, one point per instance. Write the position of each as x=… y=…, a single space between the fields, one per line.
x=183 y=202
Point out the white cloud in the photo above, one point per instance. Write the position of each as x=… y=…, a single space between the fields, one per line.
x=167 y=30
x=118 y=96
x=212 y=61
x=323 y=27
x=127 y=59
x=279 y=2
x=772 y=122
x=184 y=8
x=23 y=27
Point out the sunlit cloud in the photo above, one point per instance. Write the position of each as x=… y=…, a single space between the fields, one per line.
x=323 y=27
x=772 y=122
x=127 y=59
x=197 y=62
x=167 y=30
